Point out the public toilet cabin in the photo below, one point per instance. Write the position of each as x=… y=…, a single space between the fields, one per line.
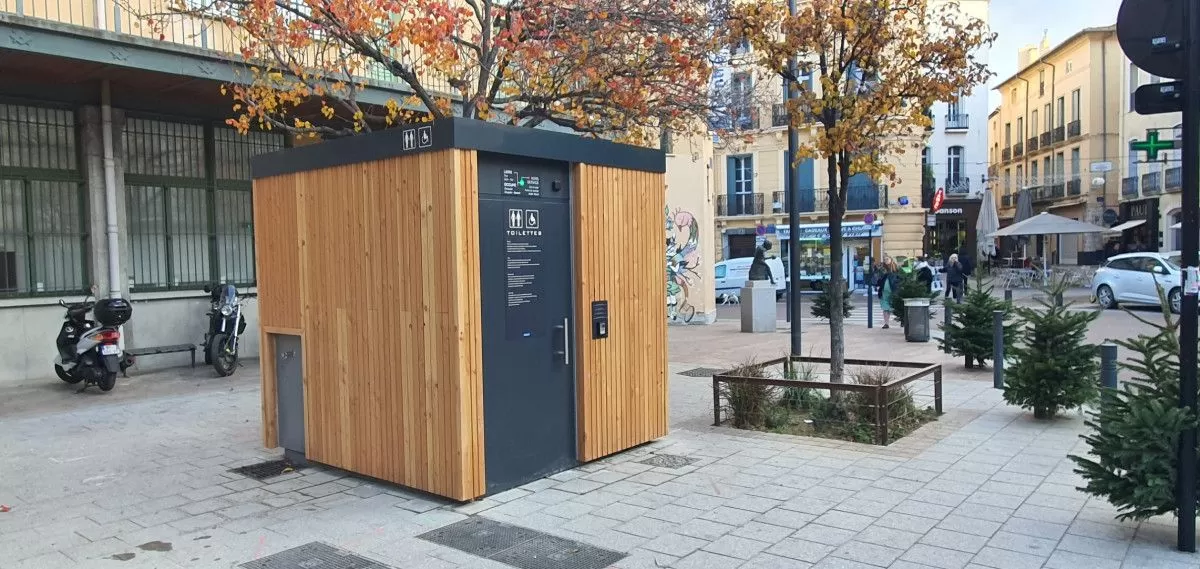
x=461 y=307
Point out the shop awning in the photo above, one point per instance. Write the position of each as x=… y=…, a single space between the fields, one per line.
x=1127 y=225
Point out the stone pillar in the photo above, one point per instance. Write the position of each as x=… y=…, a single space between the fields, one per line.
x=93 y=154
x=759 y=308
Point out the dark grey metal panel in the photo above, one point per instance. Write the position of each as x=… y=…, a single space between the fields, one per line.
x=315 y=555
x=460 y=133
x=525 y=276
x=520 y=547
x=289 y=378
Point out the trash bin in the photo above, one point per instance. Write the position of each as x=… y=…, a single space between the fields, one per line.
x=916 y=319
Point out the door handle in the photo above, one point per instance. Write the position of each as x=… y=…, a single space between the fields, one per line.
x=566 y=351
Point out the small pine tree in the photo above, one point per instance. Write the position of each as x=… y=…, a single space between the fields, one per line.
x=1054 y=368
x=1135 y=430
x=910 y=287
x=820 y=305
x=970 y=333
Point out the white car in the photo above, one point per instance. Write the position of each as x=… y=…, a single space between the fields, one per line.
x=1134 y=278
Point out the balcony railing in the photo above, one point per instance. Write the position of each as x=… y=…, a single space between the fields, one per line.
x=1074 y=187
x=1019 y=149
x=1174 y=179
x=204 y=33
x=1044 y=139
x=1059 y=134
x=1032 y=143
x=779 y=114
x=958 y=185
x=734 y=119
x=1074 y=129
x=858 y=198
x=1006 y=200
x=1049 y=192
x=957 y=122
x=1152 y=183
x=740 y=204
x=1006 y=154
x=779 y=202
x=1129 y=186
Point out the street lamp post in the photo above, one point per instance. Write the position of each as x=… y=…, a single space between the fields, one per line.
x=792 y=181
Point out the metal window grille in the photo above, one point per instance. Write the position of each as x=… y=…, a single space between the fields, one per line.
x=189 y=203
x=43 y=227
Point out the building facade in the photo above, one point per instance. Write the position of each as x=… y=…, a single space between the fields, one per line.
x=1150 y=189
x=110 y=132
x=956 y=154
x=1056 y=135
x=691 y=245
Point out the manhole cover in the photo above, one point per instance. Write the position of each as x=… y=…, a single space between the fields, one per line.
x=315 y=555
x=479 y=536
x=550 y=552
x=264 y=470
x=701 y=372
x=668 y=461
x=520 y=547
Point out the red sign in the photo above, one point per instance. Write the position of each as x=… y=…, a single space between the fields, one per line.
x=939 y=197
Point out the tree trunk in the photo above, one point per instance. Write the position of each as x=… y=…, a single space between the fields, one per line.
x=837 y=327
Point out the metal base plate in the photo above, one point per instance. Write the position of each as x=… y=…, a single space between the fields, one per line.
x=520 y=547
x=315 y=555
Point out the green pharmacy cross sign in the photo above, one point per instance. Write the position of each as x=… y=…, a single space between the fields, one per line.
x=1152 y=145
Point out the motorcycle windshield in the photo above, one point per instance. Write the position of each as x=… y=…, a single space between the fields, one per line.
x=226 y=295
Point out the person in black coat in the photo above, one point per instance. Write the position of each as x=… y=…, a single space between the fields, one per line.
x=955 y=278
x=968 y=268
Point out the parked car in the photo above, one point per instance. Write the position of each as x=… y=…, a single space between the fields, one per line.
x=1134 y=278
x=731 y=275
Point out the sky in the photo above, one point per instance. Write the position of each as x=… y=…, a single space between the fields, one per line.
x=1022 y=22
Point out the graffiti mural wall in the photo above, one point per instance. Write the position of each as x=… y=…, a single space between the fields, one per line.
x=683 y=263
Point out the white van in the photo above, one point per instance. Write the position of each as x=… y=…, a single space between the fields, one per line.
x=731 y=275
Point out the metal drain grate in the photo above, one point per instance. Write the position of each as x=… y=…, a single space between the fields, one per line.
x=264 y=470
x=701 y=372
x=668 y=461
x=315 y=555
x=520 y=547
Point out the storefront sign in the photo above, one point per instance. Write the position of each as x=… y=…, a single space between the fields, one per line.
x=820 y=232
x=950 y=211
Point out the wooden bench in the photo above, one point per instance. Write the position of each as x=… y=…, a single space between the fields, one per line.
x=175 y=349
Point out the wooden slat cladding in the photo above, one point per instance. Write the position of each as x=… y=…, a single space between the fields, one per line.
x=621 y=380
x=277 y=255
x=389 y=313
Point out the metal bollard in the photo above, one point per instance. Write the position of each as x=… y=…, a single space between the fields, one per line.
x=998 y=349
x=1058 y=299
x=1008 y=295
x=946 y=328
x=1108 y=365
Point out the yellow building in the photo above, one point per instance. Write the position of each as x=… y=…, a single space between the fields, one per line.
x=691 y=250
x=1057 y=136
x=748 y=192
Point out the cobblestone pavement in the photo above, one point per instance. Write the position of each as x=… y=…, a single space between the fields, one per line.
x=144 y=482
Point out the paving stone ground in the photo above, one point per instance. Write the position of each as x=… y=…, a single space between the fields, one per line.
x=143 y=482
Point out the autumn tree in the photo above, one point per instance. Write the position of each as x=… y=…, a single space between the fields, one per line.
x=878 y=65
x=623 y=69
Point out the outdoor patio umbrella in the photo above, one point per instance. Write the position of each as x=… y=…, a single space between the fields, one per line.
x=1048 y=224
x=987 y=223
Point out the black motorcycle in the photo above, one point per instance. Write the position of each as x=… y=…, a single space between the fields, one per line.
x=90 y=350
x=225 y=325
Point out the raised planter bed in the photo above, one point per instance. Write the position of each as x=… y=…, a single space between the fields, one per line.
x=880 y=402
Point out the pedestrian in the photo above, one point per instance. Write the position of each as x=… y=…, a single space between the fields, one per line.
x=887 y=282
x=968 y=267
x=955 y=278
x=924 y=274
